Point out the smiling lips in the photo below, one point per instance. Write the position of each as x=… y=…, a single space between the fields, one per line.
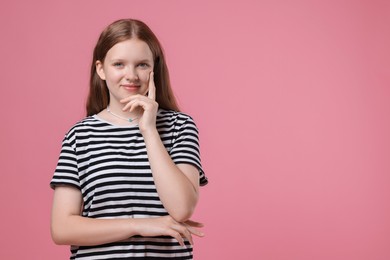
x=131 y=87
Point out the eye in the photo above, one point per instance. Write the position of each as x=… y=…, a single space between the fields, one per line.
x=118 y=64
x=143 y=65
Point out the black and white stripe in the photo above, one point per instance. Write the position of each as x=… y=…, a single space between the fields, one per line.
x=109 y=165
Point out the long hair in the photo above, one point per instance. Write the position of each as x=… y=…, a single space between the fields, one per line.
x=118 y=31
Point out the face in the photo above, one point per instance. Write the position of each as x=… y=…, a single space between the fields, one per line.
x=126 y=69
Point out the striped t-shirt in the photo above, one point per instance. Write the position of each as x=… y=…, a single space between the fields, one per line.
x=109 y=164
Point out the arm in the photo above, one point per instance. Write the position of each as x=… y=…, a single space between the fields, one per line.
x=177 y=185
x=68 y=227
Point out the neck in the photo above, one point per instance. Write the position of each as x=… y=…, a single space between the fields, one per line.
x=117 y=109
x=122 y=115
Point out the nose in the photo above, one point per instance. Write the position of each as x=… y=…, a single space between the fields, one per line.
x=131 y=74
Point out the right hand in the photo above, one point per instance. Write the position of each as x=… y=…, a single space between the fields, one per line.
x=167 y=226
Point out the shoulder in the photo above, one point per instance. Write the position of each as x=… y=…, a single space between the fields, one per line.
x=89 y=123
x=177 y=123
x=178 y=118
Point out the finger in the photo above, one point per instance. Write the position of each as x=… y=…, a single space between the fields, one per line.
x=128 y=105
x=187 y=234
x=195 y=231
x=131 y=105
x=152 y=87
x=194 y=223
x=142 y=102
x=129 y=98
x=177 y=236
x=134 y=105
x=137 y=103
x=183 y=230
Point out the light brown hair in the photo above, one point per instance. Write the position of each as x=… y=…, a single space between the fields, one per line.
x=118 y=31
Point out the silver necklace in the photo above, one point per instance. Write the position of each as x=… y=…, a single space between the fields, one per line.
x=120 y=117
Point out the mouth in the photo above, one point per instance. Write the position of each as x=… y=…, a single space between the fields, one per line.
x=131 y=87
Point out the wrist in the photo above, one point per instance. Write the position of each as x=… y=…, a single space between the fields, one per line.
x=149 y=132
x=134 y=227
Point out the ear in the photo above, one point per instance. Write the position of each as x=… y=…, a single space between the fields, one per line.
x=100 y=70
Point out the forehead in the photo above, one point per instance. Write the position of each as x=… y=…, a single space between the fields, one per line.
x=133 y=49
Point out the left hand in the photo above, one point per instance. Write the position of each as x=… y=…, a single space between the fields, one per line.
x=148 y=105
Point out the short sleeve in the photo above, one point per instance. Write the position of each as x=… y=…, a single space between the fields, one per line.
x=66 y=172
x=185 y=148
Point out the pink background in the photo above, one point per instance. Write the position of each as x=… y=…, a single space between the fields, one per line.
x=291 y=99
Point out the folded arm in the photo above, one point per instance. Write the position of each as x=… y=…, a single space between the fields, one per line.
x=68 y=227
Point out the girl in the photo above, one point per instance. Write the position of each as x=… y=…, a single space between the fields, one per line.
x=128 y=176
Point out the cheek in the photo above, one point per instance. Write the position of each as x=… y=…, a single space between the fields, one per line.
x=114 y=75
x=144 y=76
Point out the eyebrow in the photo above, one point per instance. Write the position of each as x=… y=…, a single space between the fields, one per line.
x=145 y=61
x=112 y=60
x=138 y=61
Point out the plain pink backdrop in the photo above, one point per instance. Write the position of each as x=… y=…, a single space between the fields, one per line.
x=292 y=99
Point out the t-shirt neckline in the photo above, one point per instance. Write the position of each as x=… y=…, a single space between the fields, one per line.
x=95 y=116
